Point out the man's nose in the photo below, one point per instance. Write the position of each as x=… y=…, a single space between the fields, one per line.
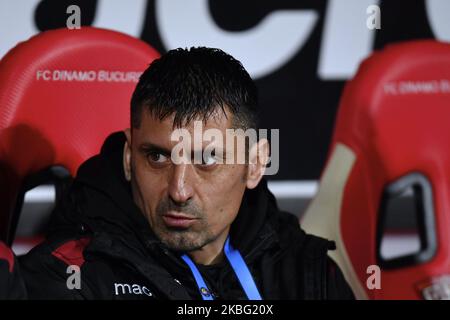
x=180 y=188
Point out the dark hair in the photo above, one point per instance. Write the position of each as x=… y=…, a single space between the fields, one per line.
x=193 y=83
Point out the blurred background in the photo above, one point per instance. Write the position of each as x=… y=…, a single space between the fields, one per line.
x=299 y=52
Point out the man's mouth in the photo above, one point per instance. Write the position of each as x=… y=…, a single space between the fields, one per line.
x=174 y=219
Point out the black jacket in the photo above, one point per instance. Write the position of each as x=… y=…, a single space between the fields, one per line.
x=99 y=228
x=11 y=284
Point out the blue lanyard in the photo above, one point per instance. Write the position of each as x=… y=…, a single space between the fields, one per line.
x=239 y=267
x=204 y=291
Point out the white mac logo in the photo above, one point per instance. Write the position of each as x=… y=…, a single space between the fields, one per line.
x=124 y=288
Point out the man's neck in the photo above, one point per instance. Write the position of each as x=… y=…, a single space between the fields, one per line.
x=212 y=253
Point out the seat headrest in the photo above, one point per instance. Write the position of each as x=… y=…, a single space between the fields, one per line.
x=397 y=105
x=62 y=92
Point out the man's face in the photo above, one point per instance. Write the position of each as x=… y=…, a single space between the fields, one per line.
x=188 y=205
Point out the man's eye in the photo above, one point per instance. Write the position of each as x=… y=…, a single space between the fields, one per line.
x=209 y=160
x=156 y=157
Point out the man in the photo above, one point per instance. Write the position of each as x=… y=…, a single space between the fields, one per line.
x=11 y=284
x=140 y=223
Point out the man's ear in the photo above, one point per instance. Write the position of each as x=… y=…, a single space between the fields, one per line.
x=127 y=155
x=258 y=159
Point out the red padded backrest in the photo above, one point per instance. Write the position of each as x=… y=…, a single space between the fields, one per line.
x=393 y=121
x=395 y=116
x=62 y=93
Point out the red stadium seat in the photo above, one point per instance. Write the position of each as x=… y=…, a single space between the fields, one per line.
x=392 y=133
x=62 y=93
